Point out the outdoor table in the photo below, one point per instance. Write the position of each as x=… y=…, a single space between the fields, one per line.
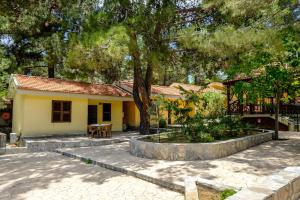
x=100 y=130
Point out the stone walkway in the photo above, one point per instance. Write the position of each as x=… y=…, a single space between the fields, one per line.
x=239 y=170
x=48 y=176
x=53 y=143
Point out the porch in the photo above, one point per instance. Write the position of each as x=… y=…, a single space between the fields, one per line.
x=289 y=113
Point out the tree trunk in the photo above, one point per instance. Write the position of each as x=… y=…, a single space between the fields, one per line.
x=141 y=87
x=50 y=72
x=277 y=116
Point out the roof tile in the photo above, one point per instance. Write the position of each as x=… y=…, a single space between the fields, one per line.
x=38 y=83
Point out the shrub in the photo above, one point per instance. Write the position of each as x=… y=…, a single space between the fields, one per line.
x=206 y=137
x=88 y=161
x=162 y=123
x=227 y=193
x=212 y=104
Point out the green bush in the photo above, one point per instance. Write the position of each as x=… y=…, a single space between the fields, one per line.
x=88 y=161
x=227 y=193
x=209 y=122
x=212 y=104
x=206 y=137
x=162 y=123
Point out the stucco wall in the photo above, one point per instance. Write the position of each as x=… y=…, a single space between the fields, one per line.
x=17 y=118
x=116 y=113
x=37 y=113
x=131 y=114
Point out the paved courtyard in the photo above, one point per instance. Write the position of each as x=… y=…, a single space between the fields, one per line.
x=238 y=170
x=48 y=176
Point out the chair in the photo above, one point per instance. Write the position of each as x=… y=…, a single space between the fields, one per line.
x=92 y=130
x=105 y=130
x=108 y=129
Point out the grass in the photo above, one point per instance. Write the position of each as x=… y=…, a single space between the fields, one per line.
x=227 y=193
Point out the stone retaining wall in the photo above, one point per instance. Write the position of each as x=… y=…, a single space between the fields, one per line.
x=197 y=188
x=197 y=151
x=2 y=143
x=37 y=146
x=282 y=185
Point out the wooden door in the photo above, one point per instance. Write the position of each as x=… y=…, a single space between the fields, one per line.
x=92 y=114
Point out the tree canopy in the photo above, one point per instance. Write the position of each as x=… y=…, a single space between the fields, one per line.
x=151 y=42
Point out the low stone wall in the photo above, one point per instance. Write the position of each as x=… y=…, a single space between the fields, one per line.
x=197 y=151
x=16 y=150
x=37 y=146
x=2 y=143
x=282 y=185
x=197 y=188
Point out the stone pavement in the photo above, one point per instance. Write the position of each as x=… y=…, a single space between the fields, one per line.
x=48 y=176
x=238 y=170
x=53 y=143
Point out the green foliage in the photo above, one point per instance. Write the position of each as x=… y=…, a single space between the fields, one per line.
x=99 y=55
x=162 y=123
x=209 y=122
x=203 y=137
x=88 y=161
x=213 y=104
x=273 y=81
x=159 y=105
x=227 y=193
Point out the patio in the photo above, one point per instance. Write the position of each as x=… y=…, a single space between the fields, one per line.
x=52 y=143
x=47 y=176
x=239 y=170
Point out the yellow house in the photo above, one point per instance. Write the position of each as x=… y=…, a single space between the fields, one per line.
x=48 y=106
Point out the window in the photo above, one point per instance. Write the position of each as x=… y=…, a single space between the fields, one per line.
x=61 y=111
x=106 y=112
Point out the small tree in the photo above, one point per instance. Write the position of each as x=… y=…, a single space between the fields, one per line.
x=157 y=109
x=276 y=80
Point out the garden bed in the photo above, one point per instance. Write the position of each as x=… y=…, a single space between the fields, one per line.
x=178 y=137
x=142 y=147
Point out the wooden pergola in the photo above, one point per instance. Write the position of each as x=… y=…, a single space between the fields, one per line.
x=265 y=106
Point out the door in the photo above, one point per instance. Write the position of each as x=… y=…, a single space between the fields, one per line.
x=92 y=114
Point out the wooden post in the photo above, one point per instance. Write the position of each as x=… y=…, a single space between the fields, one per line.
x=272 y=107
x=228 y=99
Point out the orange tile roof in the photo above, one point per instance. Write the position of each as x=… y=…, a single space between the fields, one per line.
x=155 y=89
x=166 y=90
x=38 y=83
x=173 y=89
x=189 y=87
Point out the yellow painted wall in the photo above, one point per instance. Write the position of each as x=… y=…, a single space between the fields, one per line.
x=37 y=114
x=131 y=114
x=134 y=115
x=116 y=113
x=17 y=118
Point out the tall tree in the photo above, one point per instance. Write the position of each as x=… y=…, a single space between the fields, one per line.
x=148 y=25
x=33 y=32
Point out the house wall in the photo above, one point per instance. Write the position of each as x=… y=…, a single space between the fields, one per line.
x=37 y=114
x=131 y=114
x=17 y=116
x=116 y=113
